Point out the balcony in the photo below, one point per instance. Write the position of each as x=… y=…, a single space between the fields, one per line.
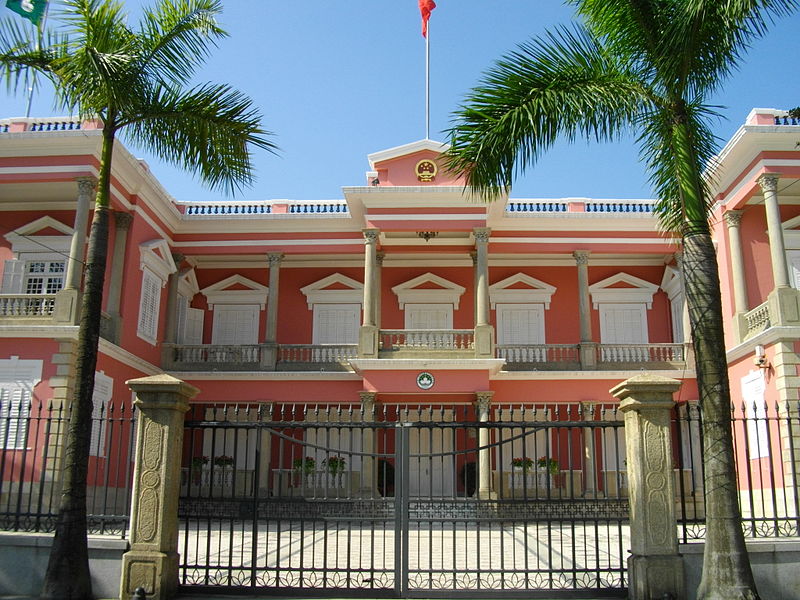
x=27 y=308
x=258 y=357
x=591 y=357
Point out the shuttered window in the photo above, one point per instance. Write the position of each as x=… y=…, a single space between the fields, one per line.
x=14 y=411
x=336 y=323
x=149 y=304
x=520 y=324
x=235 y=324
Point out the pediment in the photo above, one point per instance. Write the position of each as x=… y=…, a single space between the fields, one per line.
x=521 y=289
x=382 y=156
x=334 y=289
x=236 y=289
x=187 y=284
x=156 y=256
x=623 y=288
x=42 y=234
x=428 y=289
x=671 y=282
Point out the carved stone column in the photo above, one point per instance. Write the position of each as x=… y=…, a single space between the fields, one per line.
x=67 y=304
x=483 y=401
x=269 y=356
x=152 y=561
x=122 y=224
x=367 y=487
x=368 y=334
x=77 y=248
x=655 y=567
x=484 y=332
x=777 y=248
x=171 y=330
x=733 y=219
x=589 y=452
x=588 y=348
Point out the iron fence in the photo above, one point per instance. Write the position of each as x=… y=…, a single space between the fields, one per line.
x=766 y=440
x=32 y=439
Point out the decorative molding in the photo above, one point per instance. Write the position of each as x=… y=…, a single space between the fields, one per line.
x=187 y=284
x=23 y=240
x=122 y=220
x=769 y=182
x=218 y=293
x=581 y=257
x=447 y=293
x=316 y=293
x=733 y=218
x=370 y=236
x=641 y=291
x=157 y=257
x=405 y=150
x=537 y=292
x=671 y=282
x=20 y=373
x=482 y=235
x=482 y=402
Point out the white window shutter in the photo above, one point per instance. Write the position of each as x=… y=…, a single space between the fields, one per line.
x=336 y=323
x=193 y=332
x=103 y=391
x=235 y=324
x=149 y=306
x=14 y=411
x=13 y=275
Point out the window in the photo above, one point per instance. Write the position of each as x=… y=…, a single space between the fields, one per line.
x=44 y=277
x=103 y=391
x=149 y=305
x=336 y=323
x=235 y=324
x=190 y=323
x=14 y=410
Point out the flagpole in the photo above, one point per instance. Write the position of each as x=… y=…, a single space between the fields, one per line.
x=428 y=84
x=39 y=28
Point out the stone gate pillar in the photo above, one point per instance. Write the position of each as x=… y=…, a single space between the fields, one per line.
x=152 y=561
x=655 y=568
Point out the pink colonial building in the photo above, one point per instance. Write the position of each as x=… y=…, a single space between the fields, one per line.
x=406 y=299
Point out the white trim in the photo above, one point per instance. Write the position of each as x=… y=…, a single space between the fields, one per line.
x=23 y=241
x=160 y=263
x=187 y=284
x=448 y=293
x=674 y=241
x=493 y=365
x=316 y=293
x=273 y=243
x=641 y=293
x=405 y=150
x=538 y=291
x=218 y=294
x=16 y=372
x=190 y=376
x=428 y=217
x=613 y=377
x=671 y=282
x=124 y=357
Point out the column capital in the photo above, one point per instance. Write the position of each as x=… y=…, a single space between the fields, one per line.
x=367 y=399
x=274 y=259
x=379 y=256
x=679 y=259
x=733 y=218
x=481 y=234
x=769 y=182
x=581 y=257
x=122 y=220
x=483 y=400
x=370 y=235
x=86 y=185
x=177 y=257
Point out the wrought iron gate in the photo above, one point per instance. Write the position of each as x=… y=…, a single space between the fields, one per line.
x=410 y=502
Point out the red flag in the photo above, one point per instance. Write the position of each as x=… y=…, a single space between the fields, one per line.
x=425 y=8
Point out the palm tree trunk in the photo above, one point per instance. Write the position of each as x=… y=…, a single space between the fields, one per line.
x=726 y=566
x=67 y=575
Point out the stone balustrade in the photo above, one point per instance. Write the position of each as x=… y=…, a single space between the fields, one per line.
x=640 y=353
x=757 y=320
x=427 y=339
x=27 y=305
x=551 y=354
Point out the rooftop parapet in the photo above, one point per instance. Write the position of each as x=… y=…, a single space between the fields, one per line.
x=35 y=124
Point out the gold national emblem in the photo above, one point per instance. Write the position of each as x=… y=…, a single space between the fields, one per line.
x=426 y=170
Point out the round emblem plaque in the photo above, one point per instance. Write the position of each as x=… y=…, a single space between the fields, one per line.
x=426 y=170
x=425 y=380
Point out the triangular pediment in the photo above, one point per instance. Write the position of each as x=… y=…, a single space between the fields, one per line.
x=623 y=288
x=414 y=164
x=187 y=285
x=521 y=289
x=334 y=289
x=671 y=282
x=40 y=235
x=236 y=289
x=156 y=256
x=428 y=289
x=376 y=158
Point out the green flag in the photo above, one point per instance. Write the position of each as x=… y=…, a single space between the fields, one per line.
x=33 y=10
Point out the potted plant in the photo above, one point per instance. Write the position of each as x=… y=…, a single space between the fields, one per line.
x=305 y=466
x=223 y=461
x=550 y=465
x=197 y=464
x=523 y=463
x=334 y=464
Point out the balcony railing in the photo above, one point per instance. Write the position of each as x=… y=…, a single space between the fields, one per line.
x=554 y=356
x=757 y=320
x=27 y=305
x=641 y=353
x=292 y=355
x=427 y=339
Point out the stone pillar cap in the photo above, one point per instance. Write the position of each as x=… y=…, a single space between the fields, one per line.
x=163 y=383
x=645 y=388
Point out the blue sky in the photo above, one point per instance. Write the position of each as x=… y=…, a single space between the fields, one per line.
x=337 y=80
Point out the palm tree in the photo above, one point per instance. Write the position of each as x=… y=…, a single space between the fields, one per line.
x=647 y=66
x=136 y=81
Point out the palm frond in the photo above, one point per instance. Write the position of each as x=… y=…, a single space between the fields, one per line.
x=563 y=84
x=19 y=53
x=177 y=35
x=209 y=130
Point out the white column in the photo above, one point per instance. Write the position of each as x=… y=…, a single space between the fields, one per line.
x=777 y=248
x=483 y=401
x=368 y=488
x=370 y=269
x=582 y=260
x=77 y=248
x=733 y=219
x=589 y=452
x=482 y=275
x=379 y=256
x=275 y=259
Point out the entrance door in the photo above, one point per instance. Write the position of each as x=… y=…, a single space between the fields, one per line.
x=431 y=465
